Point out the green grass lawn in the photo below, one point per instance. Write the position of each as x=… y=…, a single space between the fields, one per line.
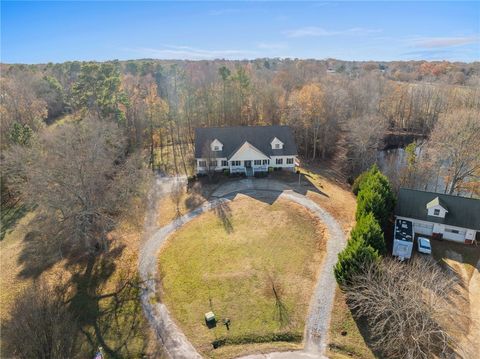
x=229 y=260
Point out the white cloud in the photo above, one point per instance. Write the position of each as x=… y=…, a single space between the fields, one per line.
x=191 y=53
x=319 y=31
x=439 y=42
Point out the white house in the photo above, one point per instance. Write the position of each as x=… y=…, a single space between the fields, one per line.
x=245 y=149
x=440 y=215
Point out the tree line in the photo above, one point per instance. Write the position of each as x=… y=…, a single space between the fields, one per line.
x=344 y=114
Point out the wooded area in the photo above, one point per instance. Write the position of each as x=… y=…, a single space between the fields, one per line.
x=76 y=139
x=340 y=111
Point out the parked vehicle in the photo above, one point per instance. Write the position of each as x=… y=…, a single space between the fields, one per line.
x=424 y=245
x=403 y=239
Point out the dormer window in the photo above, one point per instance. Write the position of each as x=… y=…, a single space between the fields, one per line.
x=436 y=208
x=276 y=144
x=216 y=145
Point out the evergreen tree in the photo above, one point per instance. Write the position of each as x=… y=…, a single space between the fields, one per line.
x=368 y=230
x=351 y=261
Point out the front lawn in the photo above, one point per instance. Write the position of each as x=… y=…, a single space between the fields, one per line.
x=248 y=261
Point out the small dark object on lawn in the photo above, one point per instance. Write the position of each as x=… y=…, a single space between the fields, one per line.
x=343 y=332
x=226 y=321
x=210 y=320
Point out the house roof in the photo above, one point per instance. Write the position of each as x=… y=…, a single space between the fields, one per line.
x=462 y=211
x=234 y=137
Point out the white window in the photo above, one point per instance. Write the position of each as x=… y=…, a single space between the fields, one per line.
x=289 y=161
x=279 y=161
x=213 y=163
x=266 y=162
x=276 y=144
x=236 y=163
x=436 y=212
x=224 y=163
x=216 y=145
x=202 y=163
x=257 y=162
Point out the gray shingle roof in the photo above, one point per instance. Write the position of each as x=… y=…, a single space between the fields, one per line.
x=462 y=211
x=234 y=137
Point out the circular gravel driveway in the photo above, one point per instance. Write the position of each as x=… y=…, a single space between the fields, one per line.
x=176 y=344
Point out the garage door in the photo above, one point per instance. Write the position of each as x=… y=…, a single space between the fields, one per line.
x=454 y=235
x=423 y=228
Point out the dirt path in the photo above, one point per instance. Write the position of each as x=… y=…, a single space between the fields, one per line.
x=172 y=338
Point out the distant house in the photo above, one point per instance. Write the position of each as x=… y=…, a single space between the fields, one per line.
x=440 y=215
x=245 y=149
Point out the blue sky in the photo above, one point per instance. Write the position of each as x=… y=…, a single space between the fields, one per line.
x=40 y=32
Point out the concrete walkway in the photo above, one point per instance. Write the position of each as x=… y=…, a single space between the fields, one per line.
x=175 y=342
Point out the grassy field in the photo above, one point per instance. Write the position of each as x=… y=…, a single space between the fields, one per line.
x=236 y=256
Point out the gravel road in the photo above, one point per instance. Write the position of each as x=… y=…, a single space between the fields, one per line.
x=172 y=338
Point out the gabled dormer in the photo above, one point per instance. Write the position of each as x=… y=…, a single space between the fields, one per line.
x=216 y=145
x=436 y=208
x=276 y=144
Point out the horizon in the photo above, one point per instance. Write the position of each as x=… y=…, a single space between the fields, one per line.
x=43 y=32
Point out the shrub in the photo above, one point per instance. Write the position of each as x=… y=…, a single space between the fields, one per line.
x=368 y=230
x=363 y=178
x=370 y=201
x=353 y=259
x=257 y=338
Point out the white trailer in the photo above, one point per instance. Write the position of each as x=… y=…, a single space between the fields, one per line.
x=403 y=239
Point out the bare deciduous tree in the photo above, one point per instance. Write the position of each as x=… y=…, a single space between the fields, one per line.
x=41 y=325
x=365 y=136
x=454 y=144
x=79 y=177
x=410 y=308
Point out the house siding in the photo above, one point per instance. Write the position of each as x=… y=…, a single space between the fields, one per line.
x=426 y=228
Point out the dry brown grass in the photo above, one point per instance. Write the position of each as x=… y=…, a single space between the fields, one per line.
x=351 y=343
x=334 y=197
x=125 y=242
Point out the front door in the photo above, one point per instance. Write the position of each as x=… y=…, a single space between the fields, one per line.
x=248 y=164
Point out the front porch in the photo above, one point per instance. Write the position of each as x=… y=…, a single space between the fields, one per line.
x=248 y=169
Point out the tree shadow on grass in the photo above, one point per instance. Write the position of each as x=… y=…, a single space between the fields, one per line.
x=103 y=298
x=110 y=317
x=224 y=213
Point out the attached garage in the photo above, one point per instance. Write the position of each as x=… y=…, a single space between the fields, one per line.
x=457 y=235
x=449 y=217
x=423 y=228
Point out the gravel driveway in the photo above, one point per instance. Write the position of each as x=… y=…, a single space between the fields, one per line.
x=174 y=341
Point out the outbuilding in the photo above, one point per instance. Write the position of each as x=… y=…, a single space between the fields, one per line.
x=440 y=216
